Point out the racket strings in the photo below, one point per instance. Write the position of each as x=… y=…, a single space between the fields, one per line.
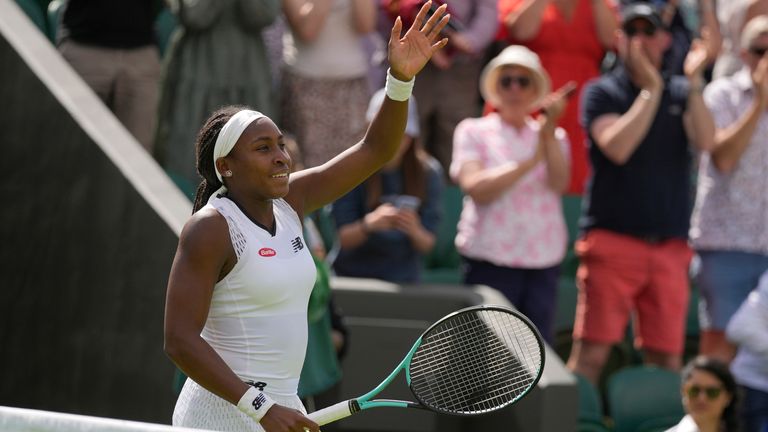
x=490 y=374
x=476 y=362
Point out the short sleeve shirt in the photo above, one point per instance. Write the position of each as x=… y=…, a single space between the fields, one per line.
x=731 y=210
x=524 y=227
x=649 y=195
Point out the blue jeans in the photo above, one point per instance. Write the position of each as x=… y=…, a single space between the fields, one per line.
x=725 y=280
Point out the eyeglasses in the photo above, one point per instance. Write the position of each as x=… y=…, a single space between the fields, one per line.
x=712 y=393
x=758 y=51
x=631 y=30
x=522 y=81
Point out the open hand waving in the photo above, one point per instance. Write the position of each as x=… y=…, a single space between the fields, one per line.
x=409 y=53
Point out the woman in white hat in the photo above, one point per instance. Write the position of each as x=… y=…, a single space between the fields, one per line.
x=513 y=168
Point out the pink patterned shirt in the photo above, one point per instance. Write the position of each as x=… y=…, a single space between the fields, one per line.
x=524 y=227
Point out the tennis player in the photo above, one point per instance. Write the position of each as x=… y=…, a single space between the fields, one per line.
x=236 y=307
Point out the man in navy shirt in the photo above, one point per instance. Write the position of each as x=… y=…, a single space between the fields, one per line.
x=634 y=252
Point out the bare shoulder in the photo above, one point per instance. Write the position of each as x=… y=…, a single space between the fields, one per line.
x=206 y=229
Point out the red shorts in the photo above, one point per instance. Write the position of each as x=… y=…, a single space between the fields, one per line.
x=621 y=274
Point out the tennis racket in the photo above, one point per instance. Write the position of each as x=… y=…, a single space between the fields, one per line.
x=472 y=361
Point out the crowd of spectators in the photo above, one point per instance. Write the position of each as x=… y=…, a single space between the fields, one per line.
x=669 y=97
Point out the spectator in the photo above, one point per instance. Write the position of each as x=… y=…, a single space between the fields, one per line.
x=633 y=251
x=513 y=168
x=112 y=46
x=684 y=19
x=387 y=224
x=590 y=29
x=729 y=227
x=217 y=58
x=710 y=397
x=749 y=330
x=731 y=18
x=324 y=79
x=447 y=87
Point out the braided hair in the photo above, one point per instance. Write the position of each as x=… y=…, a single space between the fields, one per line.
x=730 y=419
x=204 y=146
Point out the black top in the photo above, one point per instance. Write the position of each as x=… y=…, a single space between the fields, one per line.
x=650 y=195
x=110 y=23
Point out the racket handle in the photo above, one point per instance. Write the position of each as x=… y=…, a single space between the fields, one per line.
x=334 y=412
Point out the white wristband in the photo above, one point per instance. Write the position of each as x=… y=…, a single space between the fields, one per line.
x=398 y=90
x=255 y=403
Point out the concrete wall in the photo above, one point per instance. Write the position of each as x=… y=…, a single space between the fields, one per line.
x=384 y=321
x=88 y=228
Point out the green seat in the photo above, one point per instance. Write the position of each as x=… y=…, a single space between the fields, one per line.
x=644 y=398
x=35 y=12
x=591 y=415
x=567 y=291
x=691 y=348
x=53 y=16
x=589 y=426
x=443 y=264
x=165 y=24
x=566 y=295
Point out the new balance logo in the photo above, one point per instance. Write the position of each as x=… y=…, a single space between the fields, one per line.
x=258 y=384
x=297 y=244
x=259 y=401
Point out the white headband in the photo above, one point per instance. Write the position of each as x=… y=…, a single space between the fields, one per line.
x=228 y=137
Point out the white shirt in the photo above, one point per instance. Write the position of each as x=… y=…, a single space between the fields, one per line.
x=257 y=321
x=686 y=425
x=748 y=328
x=731 y=211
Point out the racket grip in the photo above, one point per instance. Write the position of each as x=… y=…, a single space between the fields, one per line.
x=334 y=412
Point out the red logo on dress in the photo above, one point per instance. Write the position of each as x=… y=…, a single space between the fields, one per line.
x=267 y=252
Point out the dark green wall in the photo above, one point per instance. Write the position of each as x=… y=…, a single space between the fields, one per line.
x=83 y=263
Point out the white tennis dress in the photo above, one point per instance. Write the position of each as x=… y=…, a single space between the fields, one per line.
x=257 y=320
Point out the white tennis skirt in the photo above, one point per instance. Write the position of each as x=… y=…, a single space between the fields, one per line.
x=198 y=408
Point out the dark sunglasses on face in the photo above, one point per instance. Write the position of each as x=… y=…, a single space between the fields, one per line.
x=507 y=81
x=647 y=30
x=758 y=51
x=712 y=393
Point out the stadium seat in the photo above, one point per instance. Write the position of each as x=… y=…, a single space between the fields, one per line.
x=443 y=264
x=53 y=16
x=567 y=291
x=165 y=24
x=644 y=398
x=692 y=325
x=566 y=296
x=591 y=415
x=34 y=10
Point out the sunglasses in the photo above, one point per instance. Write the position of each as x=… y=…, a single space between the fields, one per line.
x=712 y=393
x=758 y=51
x=647 y=30
x=522 y=81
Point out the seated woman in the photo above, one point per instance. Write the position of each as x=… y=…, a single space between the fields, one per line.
x=387 y=224
x=709 y=397
x=513 y=169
